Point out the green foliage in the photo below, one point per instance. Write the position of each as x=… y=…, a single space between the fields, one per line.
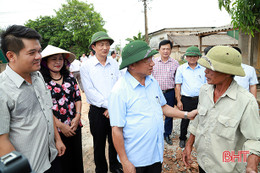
x=118 y=48
x=245 y=14
x=72 y=27
x=81 y=19
x=52 y=32
x=138 y=37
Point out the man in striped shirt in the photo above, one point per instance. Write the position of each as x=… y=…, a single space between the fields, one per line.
x=164 y=72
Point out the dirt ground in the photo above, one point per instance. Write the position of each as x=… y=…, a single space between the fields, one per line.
x=172 y=154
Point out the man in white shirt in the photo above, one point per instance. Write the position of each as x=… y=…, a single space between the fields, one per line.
x=249 y=81
x=74 y=69
x=91 y=54
x=98 y=75
x=83 y=58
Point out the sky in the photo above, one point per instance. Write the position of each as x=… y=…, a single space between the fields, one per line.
x=125 y=18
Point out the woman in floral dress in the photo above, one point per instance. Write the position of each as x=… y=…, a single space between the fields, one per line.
x=66 y=105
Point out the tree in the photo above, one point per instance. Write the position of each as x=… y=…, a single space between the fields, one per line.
x=245 y=14
x=138 y=37
x=72 y=27
x=80 y=19
x=52 y=31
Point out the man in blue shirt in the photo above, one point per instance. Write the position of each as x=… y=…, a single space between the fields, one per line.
x=98 y=75
x=189 y=78
x=136 y=107
x=249 y=81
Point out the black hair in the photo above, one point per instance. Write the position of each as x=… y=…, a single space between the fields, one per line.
x=237 y=48
x=113 y=52
x=164 y=42
x=11 y=38
x=45 y=71
x=206 y=50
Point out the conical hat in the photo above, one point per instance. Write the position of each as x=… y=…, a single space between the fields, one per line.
x=52 y=50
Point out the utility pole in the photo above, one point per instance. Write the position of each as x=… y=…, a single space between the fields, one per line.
x=145 y=22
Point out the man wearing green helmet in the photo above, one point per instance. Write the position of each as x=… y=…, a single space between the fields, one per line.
x=228 y=120
x=99 y=75
x=189 y=78
x=136 y=107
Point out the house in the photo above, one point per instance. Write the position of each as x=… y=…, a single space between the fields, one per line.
x=183 y=38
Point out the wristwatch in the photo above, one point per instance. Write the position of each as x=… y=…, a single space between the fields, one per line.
x=186 y=115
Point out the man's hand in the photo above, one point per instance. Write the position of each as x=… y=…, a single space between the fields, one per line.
x=180 y=105
x=66 y=130
x=252 y=162
x=60 y=147
x=186 y=155
x=192 y=114
x=128 y=167
x=106 y=114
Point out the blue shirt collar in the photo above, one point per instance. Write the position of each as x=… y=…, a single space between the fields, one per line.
x=134 y=83
x=96 y=61
x=187 y=65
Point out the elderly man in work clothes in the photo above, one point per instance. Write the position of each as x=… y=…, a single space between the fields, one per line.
x=228 y=120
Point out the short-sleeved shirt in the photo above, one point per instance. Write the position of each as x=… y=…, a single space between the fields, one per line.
x=98 y=80
x=75 y=66
x=64 y=97
x=249 y=79
x=230 y=124
x=190 y=79
x=26 y=115
x=137 y=109
x=164 y=72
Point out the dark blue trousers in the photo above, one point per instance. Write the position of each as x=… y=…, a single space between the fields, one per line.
x=171 y=101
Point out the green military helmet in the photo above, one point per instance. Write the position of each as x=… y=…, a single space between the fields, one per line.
x=192 y=51
x=136 y=51
x=223 y=59
x=98 y=36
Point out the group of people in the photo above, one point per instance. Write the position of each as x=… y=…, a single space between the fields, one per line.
x=41 y=105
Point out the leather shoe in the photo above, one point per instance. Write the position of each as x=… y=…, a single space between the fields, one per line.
x=118 y=170
x=182 y=143
x=168 y=140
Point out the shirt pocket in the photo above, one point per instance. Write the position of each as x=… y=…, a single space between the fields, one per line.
x=226 y=127
x=202 y=112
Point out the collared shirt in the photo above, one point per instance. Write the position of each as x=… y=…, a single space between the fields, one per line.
x=75 y=66
x=98 y=80
x=83 y=59
x=190 y=79
x=249 y=79
x=230 y=124
x=26 y=115
x=164 y=72
x=137 y=109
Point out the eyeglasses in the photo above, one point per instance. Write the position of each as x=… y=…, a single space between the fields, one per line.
x=147 y=61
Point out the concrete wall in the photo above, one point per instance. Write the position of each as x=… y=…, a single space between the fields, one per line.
x=243 y=44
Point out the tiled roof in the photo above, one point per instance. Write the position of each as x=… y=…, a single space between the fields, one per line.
x=189 y=40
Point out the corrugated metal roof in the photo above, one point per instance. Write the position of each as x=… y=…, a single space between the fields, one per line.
x=216 y=30
x=190 y=40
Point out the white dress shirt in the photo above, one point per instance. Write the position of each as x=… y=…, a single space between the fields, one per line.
x=98 y=80
x=75 y=66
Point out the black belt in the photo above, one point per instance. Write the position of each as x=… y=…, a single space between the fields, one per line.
x=168 y=90
x=192 y=98
x=95 y=107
